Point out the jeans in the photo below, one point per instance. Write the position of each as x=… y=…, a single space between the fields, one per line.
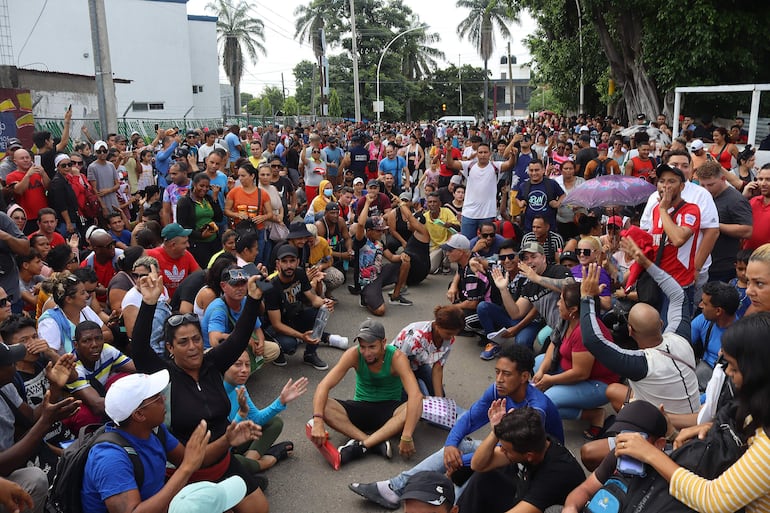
x=572 y=399
x=424 y=375
x=494 y=317
x=303 y=322
x=434 y=462
x=469 y=226
x=263 y=248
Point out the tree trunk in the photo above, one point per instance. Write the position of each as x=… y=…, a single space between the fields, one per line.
x=237 y=97
x=408 y=110
x=486 y=92
x=625 y=57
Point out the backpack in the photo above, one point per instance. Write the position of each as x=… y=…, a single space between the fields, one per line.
x=64 y=495
x=601 y=167
x=91 y=206
x=708 y=458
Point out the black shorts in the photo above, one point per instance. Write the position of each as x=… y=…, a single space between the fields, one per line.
x=369 y=416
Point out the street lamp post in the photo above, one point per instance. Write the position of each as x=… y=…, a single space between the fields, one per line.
x=384 y=50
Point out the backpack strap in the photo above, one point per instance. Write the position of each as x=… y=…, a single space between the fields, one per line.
x=117 y=439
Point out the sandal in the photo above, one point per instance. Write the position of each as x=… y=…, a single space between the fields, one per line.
x=597 y=432
x=280 y=451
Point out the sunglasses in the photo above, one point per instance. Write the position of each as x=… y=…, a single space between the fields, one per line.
x=108 y=246
x=276 y=166
x=5 y=301
x=77 y=162
x=100 y=151
x=235 y=277
x=487 y=235
x=179 y=319
x=65 y=164
x=584 y=252
x=503 y=258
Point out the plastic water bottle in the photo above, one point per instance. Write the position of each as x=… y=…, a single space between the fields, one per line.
x=321 y=318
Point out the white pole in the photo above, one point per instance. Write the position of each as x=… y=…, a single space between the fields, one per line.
x=460 y=84
x=677 y=109
x=580 y=39
x=354 y=52
x=755 y=94
x=421 y=27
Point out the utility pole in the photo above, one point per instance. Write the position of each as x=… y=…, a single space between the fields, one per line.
x=283 y=89
x=510 y=80
x=105 y=88
x=354 y=52
x=460 y=83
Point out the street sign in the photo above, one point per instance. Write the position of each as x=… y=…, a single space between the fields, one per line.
x=378 y=106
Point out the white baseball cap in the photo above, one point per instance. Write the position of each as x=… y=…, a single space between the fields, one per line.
x=126 y=394
x=98 y=145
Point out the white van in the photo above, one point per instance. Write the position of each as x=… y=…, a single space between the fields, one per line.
x=456 y=120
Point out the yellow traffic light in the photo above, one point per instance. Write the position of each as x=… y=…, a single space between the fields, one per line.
x=443 y=106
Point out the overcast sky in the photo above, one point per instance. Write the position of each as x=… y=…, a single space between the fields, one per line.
x=284 y=52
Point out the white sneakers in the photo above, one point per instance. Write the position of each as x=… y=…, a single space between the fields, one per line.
x=338 y=341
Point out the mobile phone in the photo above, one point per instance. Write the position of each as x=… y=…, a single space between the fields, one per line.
x=157 y=126
x=629 y=466
x=37 y=160
x=70 y=107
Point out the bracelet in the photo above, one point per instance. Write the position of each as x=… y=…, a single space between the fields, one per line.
x=318 y=416
x=407 y=439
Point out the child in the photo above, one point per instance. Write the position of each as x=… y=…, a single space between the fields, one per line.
x=739 y=282
x=429 y=178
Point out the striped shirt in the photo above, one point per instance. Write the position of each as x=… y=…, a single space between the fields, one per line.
x=745 y=483
x=110 y=359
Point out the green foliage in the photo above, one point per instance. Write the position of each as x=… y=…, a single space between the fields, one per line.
x=543 y=98
x=303 y=76
x=290 y=106
x=266 y=109
x=335 y=109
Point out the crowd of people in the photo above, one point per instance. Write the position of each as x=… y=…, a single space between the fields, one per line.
x=144 y=281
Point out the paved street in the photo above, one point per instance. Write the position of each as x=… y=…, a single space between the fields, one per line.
x=305 y=482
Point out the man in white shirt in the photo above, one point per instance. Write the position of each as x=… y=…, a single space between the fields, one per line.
x=481 y=192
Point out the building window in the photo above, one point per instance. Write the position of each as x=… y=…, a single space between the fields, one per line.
x=156 y=106
x=197 y=89
x=140 y=107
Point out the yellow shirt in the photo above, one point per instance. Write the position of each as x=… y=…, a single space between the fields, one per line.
x=320 y=251
x=439 y=234
x=745 y=483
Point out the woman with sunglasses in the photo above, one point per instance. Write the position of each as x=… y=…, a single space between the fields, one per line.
x=145 y=266
x=589 y=251
x=617 y=152
x=17 y=215
x=196 y=390
x=62 y=198
x=248 y=202
x=314 y=162
x=5 y=305
x=57 y=325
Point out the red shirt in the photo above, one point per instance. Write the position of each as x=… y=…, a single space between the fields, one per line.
x=173 y=270
x=76 y=182
x=761 y=214
x=574 y=344
x=34 y=197
x=55 y=240
x=456 y=154
x=678 y=262
x=642 y=168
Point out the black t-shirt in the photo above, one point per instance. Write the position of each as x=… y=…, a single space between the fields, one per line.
x=288 y=297
x=583 y=157
x=554 y=478
x=733 y=208
x=188 y=289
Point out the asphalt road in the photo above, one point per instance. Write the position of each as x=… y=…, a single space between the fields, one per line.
x=305 y=482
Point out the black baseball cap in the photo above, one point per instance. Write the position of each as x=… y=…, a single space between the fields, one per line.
x=665 y=168
x=642 y=417
x=431 y=487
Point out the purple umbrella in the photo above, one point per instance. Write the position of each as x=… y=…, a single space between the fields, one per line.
x=609 y=191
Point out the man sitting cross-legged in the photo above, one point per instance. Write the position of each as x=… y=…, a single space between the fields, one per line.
x=513 y=371
x=382 y=374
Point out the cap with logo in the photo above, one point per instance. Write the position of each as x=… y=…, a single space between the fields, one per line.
x=532 y=247
x=696 y=145
x=370 y=331
x=431 y=487
x=665 y=168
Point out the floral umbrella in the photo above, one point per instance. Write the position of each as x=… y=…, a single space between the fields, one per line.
x=610 y=191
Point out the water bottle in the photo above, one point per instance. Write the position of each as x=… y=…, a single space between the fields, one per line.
x=321 y=318
x=346 y=265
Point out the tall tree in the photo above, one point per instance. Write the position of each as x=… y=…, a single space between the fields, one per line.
x=479 y=26
x=335 y=109
x=237 y=31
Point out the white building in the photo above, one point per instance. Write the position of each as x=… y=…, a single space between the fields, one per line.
x=167 y=60
x=501 y=90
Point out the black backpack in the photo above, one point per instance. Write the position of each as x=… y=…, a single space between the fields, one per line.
x=708 y=458
x=64 y=494
x=601 y=167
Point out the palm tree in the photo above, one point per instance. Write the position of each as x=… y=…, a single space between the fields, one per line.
x=418 y=58
x=479 y=26
x=237 y=31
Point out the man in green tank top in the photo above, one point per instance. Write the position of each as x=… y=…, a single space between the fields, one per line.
x=382 y=374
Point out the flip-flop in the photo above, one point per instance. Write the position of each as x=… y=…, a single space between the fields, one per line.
x=280 y=451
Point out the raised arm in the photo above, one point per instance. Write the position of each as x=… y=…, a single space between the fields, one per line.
x=145 y=358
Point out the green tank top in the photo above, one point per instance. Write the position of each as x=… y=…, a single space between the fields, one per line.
x=381 y=386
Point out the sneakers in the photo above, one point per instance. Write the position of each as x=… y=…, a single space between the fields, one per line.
x=370 y=492
x=354 y=290
x=315 y=361
x=383 y=449
x=399 y=300
x=353 y=450
x=362 y=301
x=281 y=360
x=490 y=351
x=338 y=341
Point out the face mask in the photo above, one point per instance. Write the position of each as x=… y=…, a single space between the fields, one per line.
x=328 y=193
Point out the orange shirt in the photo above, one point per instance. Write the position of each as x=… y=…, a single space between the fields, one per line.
x=241 y=199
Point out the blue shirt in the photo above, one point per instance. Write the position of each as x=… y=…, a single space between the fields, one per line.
x=220 y=181
x=124 y=237
x=745 y=302
x=476 y=417
x=700 y=327
x=255 y=414
x=109 y=472
x=537 y=200
x=219 y=317
x=233 y=141
x=393 y=167
x=494 y=250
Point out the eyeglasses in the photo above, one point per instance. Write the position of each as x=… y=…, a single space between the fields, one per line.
x=179 y=319
x=139 y=275
x=487 y=235
x=5 y=301
x=276 y=166
x=65 y=164
x=503 y=258
x=101 y=151
x=108 y=246
x=157 y=398
x=584 y=252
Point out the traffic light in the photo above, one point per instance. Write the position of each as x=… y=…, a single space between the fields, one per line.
x=443 y=107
